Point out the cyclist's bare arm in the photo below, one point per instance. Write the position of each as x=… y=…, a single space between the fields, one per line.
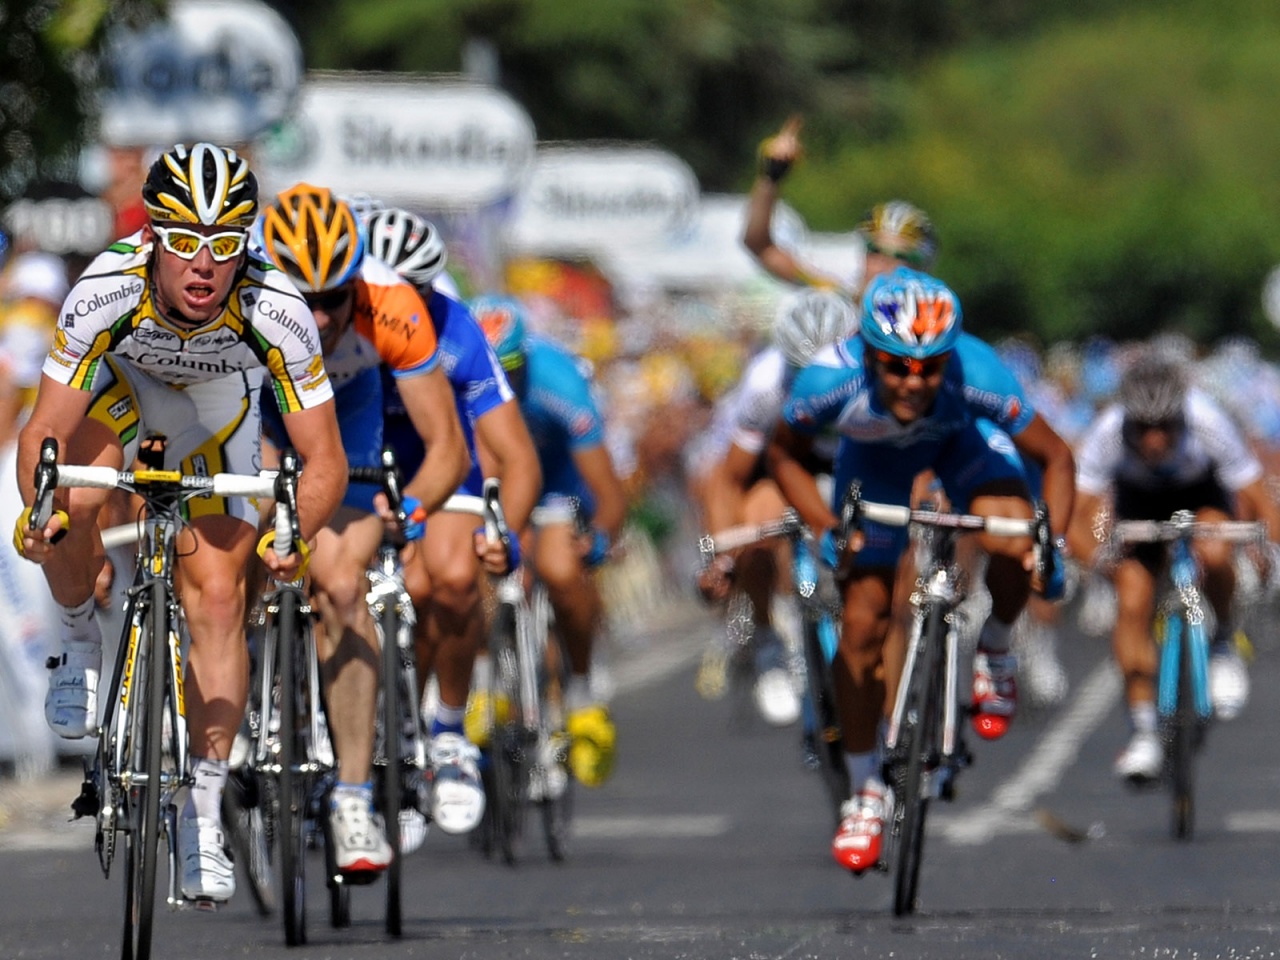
x=611 y=501
x=58 y=411
x=314 y=435
x=786 y=456
x=1081 y=540
x=1256 y=503
x=758 y=236
x=1041 y=443
x=503 y=433
x=725 y=487
x=429 y=400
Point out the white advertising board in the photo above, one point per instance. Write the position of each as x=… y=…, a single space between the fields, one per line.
x=429 y=144
x=218 y=70
x=584 y=200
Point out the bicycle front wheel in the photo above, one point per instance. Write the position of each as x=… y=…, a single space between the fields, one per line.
x=1183 y=729
x=146 y=741
x=393 y=722
x=918 y=750
x=508 y=769
x=293 y=792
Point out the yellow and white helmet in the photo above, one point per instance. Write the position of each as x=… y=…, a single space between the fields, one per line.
x=202 y=184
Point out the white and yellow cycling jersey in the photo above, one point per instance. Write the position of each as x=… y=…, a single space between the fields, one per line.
x=265 y=324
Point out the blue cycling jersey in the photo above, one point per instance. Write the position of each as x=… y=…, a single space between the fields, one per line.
x=557 y=401
x=965 y=439
x=478 y=381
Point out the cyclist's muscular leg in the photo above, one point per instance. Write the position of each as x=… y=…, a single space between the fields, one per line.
x=1217 y=565
x=1008 y=578
x=214 y=552
x=1132 y=642
x=452 y=627
x=759 y=567
x=859 y=665
x=73 y=576
x=347 y=641
x=572 y=591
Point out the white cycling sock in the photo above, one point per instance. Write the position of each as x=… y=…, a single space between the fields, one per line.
x=577 y=692
x=209 y=779
x=995 y=636
x=447 y=719
x=1142 y=716
x=79 y=625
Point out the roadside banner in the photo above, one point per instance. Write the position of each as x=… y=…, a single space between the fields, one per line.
x=428 y=144
x=218 y=70
x=584 y=200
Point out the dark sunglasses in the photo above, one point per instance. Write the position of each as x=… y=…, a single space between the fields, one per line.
x=328 y=301
x=896 y=366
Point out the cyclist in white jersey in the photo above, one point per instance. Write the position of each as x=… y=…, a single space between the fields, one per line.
x=733 y=489
x=169 y=332
x=1165 y=447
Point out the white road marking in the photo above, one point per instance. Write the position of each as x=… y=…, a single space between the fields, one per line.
x=1043 y=769
x=1253 y=821
x=659 y=827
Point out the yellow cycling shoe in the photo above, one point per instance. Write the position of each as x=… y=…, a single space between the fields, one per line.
x=591 y=753
x=479 y=720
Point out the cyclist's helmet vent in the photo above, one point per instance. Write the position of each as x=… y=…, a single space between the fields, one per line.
x=203 y=184
x=408 y=243
x=502 y=319
x=898 y=229
x=810 y=320
x=313 y=237
x=1154 y=389
x=910 y=314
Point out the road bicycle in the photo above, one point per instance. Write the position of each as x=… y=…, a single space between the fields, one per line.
x=528 y=749
x=400 y=745
x=1183 y=703
x=924 y=748
x=819 y=607
x=290 y=755
x=141 y=760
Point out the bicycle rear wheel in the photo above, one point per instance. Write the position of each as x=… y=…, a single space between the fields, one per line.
x=826 y=746
x=1183 y=729
x=508 y=762
x=918 y=750
x=146 y=741
x=293 y=786
x=393 y=701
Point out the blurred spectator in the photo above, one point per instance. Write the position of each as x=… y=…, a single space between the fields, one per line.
x=32 y=288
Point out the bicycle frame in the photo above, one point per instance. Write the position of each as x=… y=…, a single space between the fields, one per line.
x=1183 y=702
x=139 y=766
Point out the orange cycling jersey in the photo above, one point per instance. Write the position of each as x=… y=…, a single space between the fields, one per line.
x=390 y=324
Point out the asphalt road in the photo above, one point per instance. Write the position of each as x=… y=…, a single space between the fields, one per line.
x=711 y=841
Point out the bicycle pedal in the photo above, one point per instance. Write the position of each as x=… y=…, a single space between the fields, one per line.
x=357 y=878
x=204 y=904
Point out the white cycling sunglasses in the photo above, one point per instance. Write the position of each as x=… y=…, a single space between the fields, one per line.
x=187 y=243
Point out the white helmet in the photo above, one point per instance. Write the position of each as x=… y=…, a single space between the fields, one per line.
x=810 y=320
x=408 y=243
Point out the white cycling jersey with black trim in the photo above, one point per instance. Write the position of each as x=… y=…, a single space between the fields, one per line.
x=1210 y=444
x=265 y=324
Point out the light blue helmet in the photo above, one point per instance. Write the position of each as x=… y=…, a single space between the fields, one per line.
x=910 y=314
x=502 y=319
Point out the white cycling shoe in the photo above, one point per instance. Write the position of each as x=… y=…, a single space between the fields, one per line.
x=457 y=795
x=207 y=871
x=71 y=705
x=1142 y=759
